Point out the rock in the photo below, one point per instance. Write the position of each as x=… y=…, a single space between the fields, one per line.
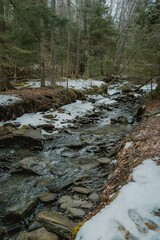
x=140 y=112
x=32 y=165
x=49 y=116
x=56 y=223
x=82 y=190
x=6 y=136
x=89 y=166
x=94 y=197
x=26 y=136
x=21 y=210
x=126 y=89
x=68 y=202
x=40 y=234
x=104 y=160
x=87 y=206
x=2 y=232
x=47 y=127
x=128 y=145
x=47 y=197
x=122 y=120
x=75 y=212
x=34 y=226
x=6 y=130
x=14 y=228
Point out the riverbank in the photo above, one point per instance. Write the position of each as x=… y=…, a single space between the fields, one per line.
x=58 y=175
x=141 y=144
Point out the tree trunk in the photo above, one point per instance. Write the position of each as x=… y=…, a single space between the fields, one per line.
x=42 y=47
x=53 y=57
x=3 y=75
x=69 y=40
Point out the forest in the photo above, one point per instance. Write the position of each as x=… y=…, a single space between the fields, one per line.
x=84 y=38
x=79 y=119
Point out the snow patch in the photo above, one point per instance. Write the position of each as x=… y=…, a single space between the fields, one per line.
x=8 y=99
x=81 y=84
x=60 y=119
x=129 y=214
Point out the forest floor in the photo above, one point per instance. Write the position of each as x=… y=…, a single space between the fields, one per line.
x=141 y=144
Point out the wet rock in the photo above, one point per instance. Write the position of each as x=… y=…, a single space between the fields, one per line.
x=126 y=89
x=47 y=127
x=67 y=201
x=14 y=228
x=49 y=116
x=140 y=112
x=87 y=206
x=104 y=160
x=34 y=226
x=20 y=210
x=26 y=136
x=39 y=234
x=56 y=223
x=2 y=232
x=89 y=166
x=47 y=197
x=32 y=165
x=94 y=197
x=77 y=213
x=5 y=130
x=6 y=136
x=81 y=190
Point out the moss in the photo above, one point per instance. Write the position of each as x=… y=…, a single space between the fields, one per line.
x=77 y=228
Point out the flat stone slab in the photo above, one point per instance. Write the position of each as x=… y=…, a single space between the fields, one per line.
x=104 y=160
x=47 y=197
x=56 y=223
x=77 y=213
x=82 y=190
x=39 y=234
x=21 y=210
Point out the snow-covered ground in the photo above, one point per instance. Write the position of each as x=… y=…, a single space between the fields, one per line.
x=60 y=118
x=78 y=84
x=149 y=87
x=132 y=215
x=81 y=84
x=8 y=99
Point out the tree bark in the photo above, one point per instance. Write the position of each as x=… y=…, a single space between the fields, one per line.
x=69 y=40
x=53 y=43
x=42 y=47
x=3 y=75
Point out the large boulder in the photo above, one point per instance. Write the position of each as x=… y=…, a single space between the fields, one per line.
x=25 y=136
x=56 y=223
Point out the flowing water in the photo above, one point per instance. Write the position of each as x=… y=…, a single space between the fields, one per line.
x=68 y=155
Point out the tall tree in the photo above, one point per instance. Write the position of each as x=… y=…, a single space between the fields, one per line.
x=3 y=74
x=53 y=42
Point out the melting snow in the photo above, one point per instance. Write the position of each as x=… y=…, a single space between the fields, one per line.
x=69 y=112
x=131 y=214
x=148 y=87
x=81 y=84
x=8 y=99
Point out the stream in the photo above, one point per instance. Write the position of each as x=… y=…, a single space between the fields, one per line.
x=72 y=169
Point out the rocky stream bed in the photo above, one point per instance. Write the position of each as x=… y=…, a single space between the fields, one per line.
x=50 y=181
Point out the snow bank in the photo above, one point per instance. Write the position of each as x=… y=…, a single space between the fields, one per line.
x=131 y=214
x=8 y=99
x=60 y=118
x=148 y=87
